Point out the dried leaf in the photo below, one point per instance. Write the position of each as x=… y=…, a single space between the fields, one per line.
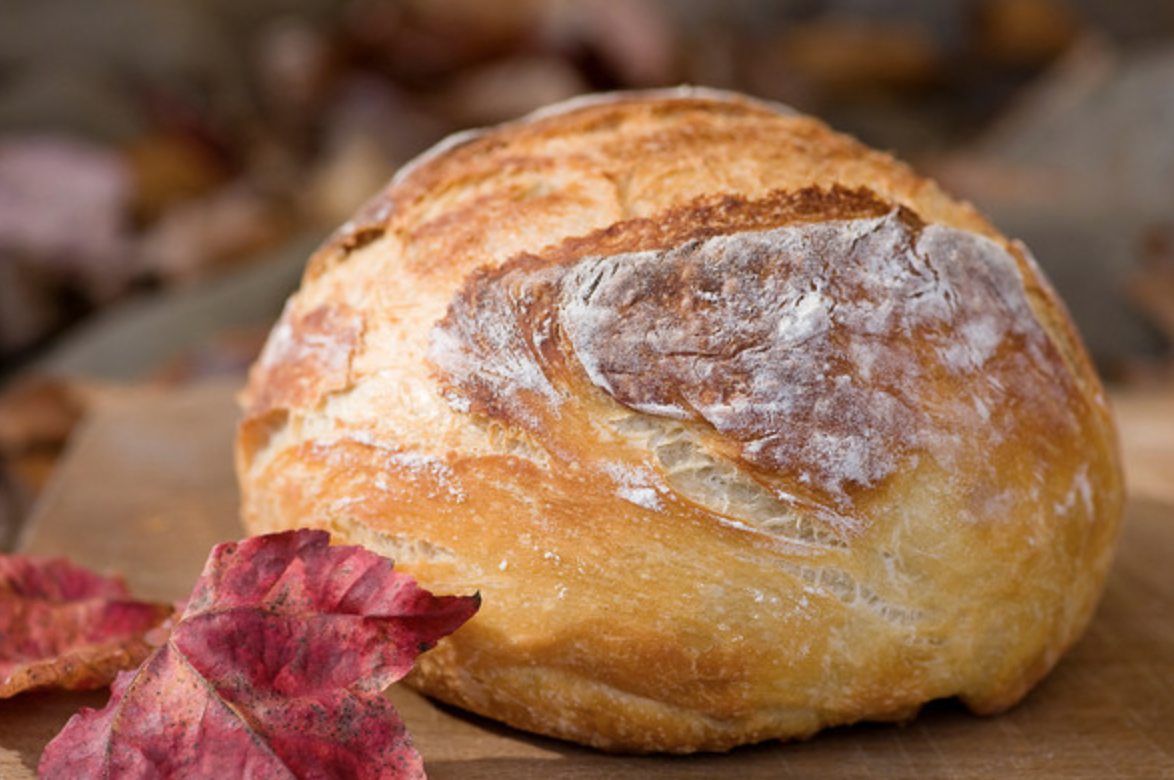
x=62 y=626
x=275 y=669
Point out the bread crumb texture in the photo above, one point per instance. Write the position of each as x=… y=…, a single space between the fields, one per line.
x=741 y=429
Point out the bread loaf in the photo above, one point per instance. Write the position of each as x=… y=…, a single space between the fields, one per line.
x=741 y=429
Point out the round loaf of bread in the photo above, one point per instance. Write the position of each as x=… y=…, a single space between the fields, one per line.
x=740 y=428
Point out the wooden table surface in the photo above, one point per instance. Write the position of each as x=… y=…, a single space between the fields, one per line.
x=147 y=488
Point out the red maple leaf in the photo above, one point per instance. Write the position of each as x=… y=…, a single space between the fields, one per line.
x=63 y=626
x=276 y=669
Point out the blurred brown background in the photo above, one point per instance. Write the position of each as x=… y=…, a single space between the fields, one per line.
x=166 y=166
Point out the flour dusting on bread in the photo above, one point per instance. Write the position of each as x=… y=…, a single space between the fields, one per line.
x=818 y=347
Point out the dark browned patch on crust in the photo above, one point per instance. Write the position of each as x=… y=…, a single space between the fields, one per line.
x=307 y=355
x=719 y=215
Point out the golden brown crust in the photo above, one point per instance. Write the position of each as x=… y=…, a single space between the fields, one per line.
x=742 y=430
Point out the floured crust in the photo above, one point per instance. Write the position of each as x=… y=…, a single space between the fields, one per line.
x=742 y=430
x=819 y=381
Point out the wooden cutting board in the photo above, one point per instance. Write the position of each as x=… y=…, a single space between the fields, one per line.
x=147 y=489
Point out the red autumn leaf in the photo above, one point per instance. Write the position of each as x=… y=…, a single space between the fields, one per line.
x=63 y=626
x=276 y=669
